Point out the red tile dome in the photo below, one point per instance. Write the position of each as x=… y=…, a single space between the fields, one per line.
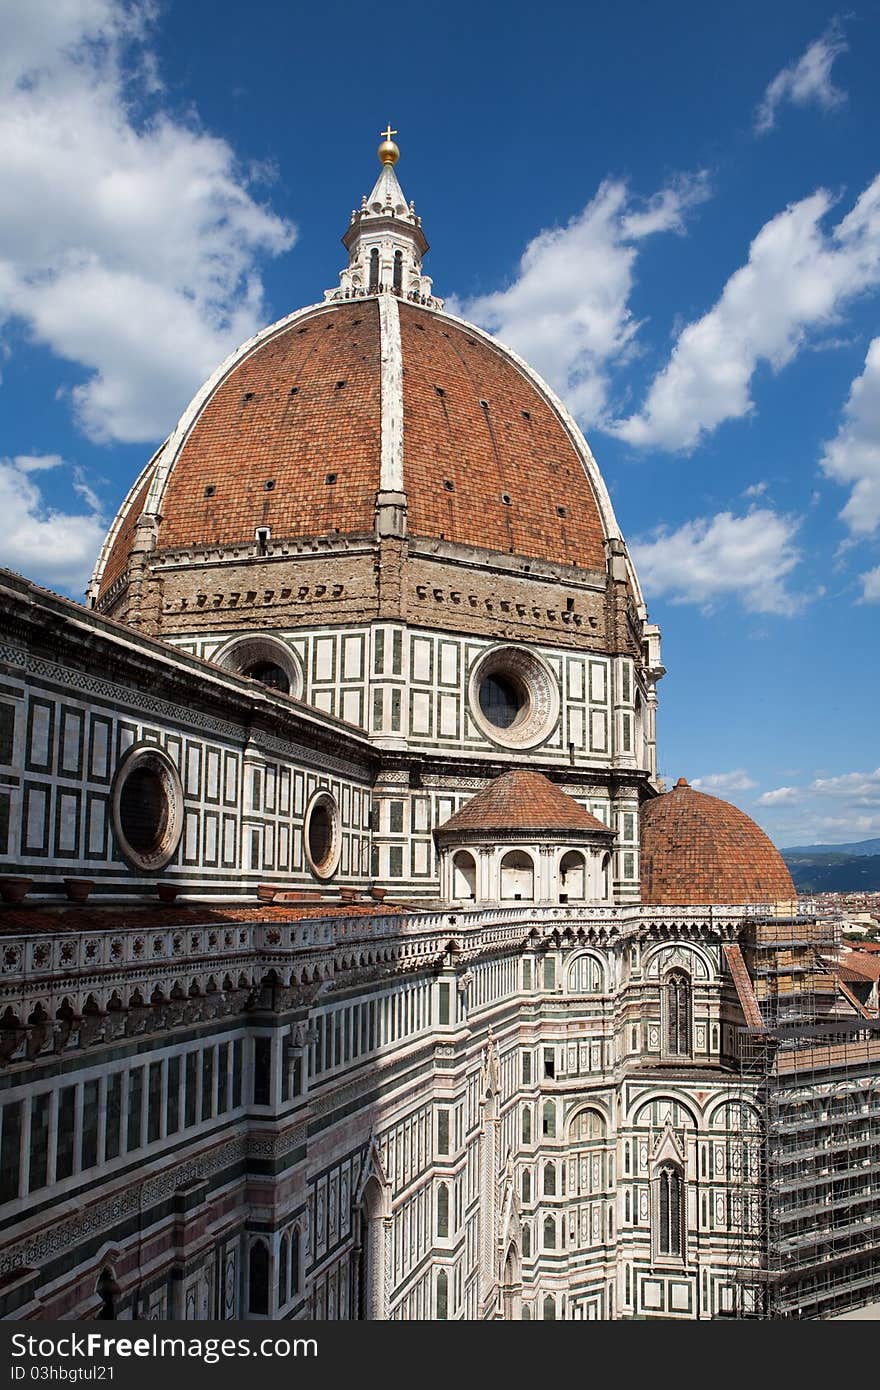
x=698 y=849
x=525 y=801
x=288 y=435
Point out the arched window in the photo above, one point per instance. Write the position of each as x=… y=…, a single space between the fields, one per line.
x=549 y=1233
x=526 y=1241
x=398 y=271
x=585 y=976
x=294 y=1262
x=549 y=1179
x=442 y=1295
x=517 y=877
x=374 y=270
x=526 y=1125
x=258 y=1278
x=572 y=877
x=669 y=1210
x=464 y=877
x=549 y=1308
x=371 y=1255
x=678 y=1013
x=606 y=878
x=283 y=1260
x=443 y=1210
x=526 y=1185
x=549 y=1119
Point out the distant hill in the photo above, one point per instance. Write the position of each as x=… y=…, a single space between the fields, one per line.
x=813 y=872
x=858 y=849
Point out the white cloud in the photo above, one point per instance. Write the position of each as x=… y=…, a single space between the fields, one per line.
x=129 y=238
x=806 y=81
x=871 y=586
x=736 y=781
x=853 y=456
x=827 y=811
x=859 y=788
x=567 y=311
x=780 y=796
x=54 y=547
x=713 y=558
x=756 y=490
x=797 y=278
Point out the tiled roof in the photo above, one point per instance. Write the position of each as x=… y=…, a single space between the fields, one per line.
x=745 y=990
x=521 y=800
x=698 y=849
x=40 y=917
x=854 y=1001
x=303 y=406
x=117 y=560
x=471 y=419
x=291 y=439
x=856 y=965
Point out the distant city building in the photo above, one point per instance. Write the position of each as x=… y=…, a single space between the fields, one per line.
x=354 y=963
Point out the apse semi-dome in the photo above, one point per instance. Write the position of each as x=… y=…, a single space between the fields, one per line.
x=699 y=849
x=374 y=411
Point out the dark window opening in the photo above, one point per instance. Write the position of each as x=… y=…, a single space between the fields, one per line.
x=374 y=270
x=258 y=1279
x=320 y=834
x=678 y=1011
x=330 y=479
x=670 y=1208
x=210 y=490
x=502 y=700
x=262 y=1071
x=398 y=271
x=268 y=674
x=143 y=810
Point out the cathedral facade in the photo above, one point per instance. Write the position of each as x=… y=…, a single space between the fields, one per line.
x=355 y=963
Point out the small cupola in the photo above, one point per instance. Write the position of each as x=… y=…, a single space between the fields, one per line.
x=522 y=839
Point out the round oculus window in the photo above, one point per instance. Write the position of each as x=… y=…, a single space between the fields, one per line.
x=269 y=674
x=146 y=808
x=265 y=659
x=322 y=835
x=514 y=697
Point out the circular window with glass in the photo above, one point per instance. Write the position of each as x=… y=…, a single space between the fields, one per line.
x=146 y=808
x=514 y=698
x=323 y=840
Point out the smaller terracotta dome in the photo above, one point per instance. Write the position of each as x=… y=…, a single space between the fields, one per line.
x=701 y=850
x=522 y=800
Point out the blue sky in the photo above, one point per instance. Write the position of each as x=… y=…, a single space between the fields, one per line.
x=672 y=211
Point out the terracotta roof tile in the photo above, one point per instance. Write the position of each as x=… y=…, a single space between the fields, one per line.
x=40 y=917
x=701 y=850
x=487 y=461
x=473 y=420
x=521 y=800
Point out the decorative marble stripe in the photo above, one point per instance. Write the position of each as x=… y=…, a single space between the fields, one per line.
x=391 y=474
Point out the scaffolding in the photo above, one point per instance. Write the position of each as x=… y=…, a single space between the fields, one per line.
x=807 y=1216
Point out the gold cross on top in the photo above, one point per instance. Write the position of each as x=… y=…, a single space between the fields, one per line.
x=387 y=134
